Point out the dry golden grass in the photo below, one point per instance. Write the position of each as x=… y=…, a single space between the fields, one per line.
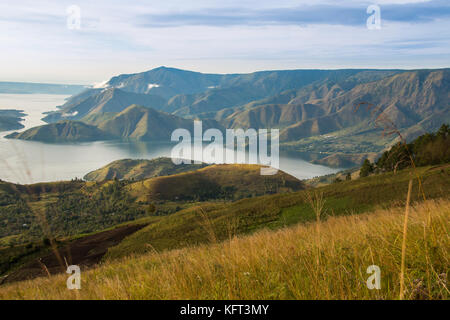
x=281 y=264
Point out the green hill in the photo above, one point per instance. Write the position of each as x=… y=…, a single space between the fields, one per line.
x=227 y=181
x=64 y=131
x=130 y=169
x=192 y=226
x=75 y=207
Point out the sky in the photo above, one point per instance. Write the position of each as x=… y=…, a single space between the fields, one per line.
x=87 y=42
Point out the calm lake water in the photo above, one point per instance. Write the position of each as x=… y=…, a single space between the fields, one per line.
x=30 y=162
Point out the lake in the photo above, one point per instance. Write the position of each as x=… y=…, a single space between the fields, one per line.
x=30 y=162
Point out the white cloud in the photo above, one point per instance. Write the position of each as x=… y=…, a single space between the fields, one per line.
x=38 y=46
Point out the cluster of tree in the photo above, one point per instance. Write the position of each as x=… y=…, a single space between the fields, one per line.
x=81 y=212
x=15 y=216
x=348 y=177
x=428 y=149
x=366 y=168
x=75 y=210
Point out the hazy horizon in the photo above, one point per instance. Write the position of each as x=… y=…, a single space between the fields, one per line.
x=262 y=70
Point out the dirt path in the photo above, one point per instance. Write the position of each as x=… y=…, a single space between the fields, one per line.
x=84 y=252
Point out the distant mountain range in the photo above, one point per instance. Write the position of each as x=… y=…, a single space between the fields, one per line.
x=45 y=88
x=315 y=110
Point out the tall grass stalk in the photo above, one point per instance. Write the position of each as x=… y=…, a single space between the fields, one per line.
x=405 y=229
x=317 y=203
x=207 y=226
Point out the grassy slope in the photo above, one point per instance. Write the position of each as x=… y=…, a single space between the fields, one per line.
x=326 y=260
x=234 y=180
x=191 y=227
x=217 y=221
x=69 y=209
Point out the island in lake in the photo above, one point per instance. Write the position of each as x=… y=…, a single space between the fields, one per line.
x=11 y=119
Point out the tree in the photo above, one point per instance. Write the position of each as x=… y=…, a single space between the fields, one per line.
x=444 y=131
x=151 y=208
x=366 y=169
x=427 y=149
x=46 y=242
x=337 y=180
x=348 y=177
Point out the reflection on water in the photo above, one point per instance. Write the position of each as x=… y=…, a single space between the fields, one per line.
x=28 y=161
x=50 y=162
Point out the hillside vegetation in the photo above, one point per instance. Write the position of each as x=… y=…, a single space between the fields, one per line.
x=428 y=149
x=187 y=227
x=226 y=181
x=59 y=209
x=130 y=169
x=75 y=208
x=323 y=260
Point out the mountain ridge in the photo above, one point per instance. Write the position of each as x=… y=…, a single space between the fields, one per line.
x=133 y=123
x=315 y=110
